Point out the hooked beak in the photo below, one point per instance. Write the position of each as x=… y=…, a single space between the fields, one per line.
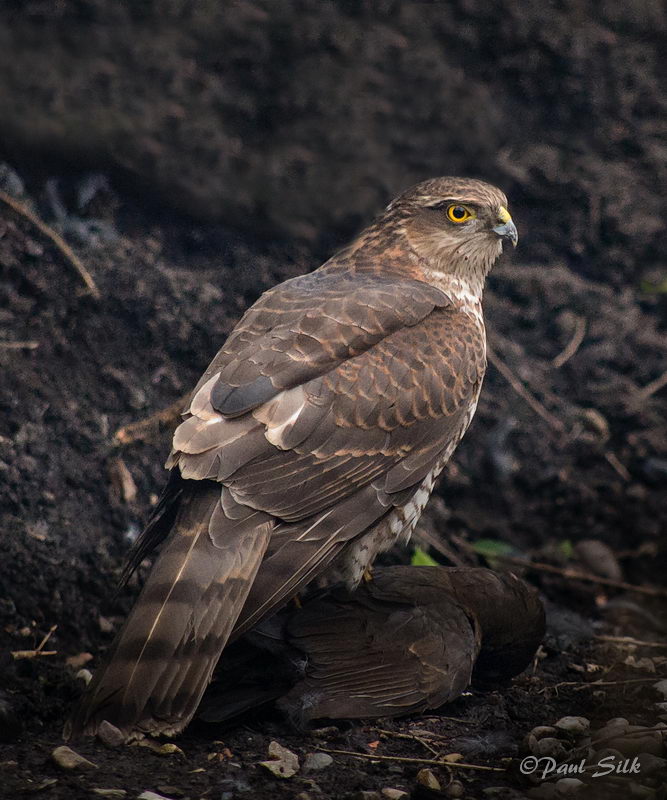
x=506 y=229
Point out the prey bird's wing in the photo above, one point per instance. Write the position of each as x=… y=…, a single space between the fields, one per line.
x=393 y=647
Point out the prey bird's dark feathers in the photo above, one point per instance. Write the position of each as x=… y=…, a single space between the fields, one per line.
x=407 y=641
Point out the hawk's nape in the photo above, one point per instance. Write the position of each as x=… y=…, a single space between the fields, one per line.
x=310 y=444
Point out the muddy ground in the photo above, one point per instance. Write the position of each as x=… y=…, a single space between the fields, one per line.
x=194 y=156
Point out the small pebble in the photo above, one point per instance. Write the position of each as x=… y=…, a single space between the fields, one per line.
x=631 y=740
x=105 y=625
x=650 y=764
x=566 y=787
x=393 y=794
x=661 y=688
x=152 y=796
x=455 y=789
x=79 y=660
x=84 y=675
x=317 y=761
x=637 y=792
x=109 y=734
x=599 y=558
x=428 y=779
x=284 y=763
x=543 y=730
x=575 y=725
x=547 y=747
x=66 y=758
x=231 y=788
x=112 y=793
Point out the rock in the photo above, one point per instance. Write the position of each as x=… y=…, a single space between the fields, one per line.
x=566 y=787
x=598 y=558
x=164 y=749
x=317 y=761
x=650 y=764
x=105 y=625
x=393 y=794
x=428 y=779
x=79 y=660
x=368 y=795
x=66 y=758
x=661 y=688
x=548 y=746
x=543 y=730
x=284 y=763
x=168 y=789
x=84 y=675
x=114 y=794
x=620 y=722
x=231 y=788
x=109 y=734
x=152 y=796
x=10 y=181
x=455 y=789
x=630 y=740
x=574 y=725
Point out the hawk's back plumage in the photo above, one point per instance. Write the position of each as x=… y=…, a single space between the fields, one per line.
x=310 y=443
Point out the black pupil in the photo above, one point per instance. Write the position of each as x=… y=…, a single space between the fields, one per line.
x=458 y=212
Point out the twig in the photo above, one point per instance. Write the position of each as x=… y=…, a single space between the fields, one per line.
x=441 y=717
x=403 y=760
x=65 y=250
x=651 y=388
x=574 y=574
x=39 y=650
x=523 y=392
x=410 y=736
x=29 y=345
x=572 y=345
x=620 y=468
x=148 y=427
x=580 y=685
x=629 y=640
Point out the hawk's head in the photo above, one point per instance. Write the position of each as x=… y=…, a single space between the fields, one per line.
x=456 y=225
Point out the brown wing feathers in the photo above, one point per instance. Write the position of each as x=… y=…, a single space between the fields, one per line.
x=330 y=401
x=163 y=657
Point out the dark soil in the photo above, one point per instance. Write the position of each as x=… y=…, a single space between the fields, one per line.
x=239 y=144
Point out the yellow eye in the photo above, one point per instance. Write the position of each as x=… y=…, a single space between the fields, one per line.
x=457 y=213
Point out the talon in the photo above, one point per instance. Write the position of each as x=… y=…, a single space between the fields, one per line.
x=297 y=601
x=368 y=575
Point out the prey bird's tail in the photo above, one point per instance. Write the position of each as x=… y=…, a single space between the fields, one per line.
x=162 y=659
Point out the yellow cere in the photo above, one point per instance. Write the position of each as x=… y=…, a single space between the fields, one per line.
x=504 y=214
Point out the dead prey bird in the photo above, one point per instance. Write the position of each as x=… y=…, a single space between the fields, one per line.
x=310 y=444
x=410 y=640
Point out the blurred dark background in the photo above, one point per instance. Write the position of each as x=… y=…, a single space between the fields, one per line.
x=194 y=154
x=302 y=117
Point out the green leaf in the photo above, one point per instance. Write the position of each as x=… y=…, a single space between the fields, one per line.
x=566 y=549
x=654 y=288
x=420 y=558
x=492 y=547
